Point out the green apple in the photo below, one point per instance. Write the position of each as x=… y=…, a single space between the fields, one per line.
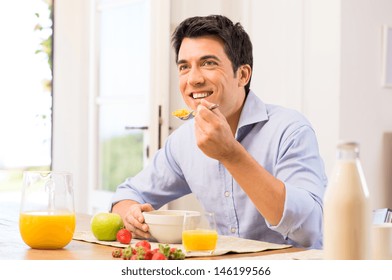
x=106 y=225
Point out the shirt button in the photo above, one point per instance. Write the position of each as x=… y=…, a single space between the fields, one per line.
x=227 y=194
x=233 y=230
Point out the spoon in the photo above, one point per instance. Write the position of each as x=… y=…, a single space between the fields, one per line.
x=184 y=114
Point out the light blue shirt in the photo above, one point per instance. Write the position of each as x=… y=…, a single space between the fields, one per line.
x=280 y=139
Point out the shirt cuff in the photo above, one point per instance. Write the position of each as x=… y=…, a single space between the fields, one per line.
x=298 y=206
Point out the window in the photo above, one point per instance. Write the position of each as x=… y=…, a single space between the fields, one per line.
x=102 y=87
x=131 y=84
x=25 y=91
x=123 y=91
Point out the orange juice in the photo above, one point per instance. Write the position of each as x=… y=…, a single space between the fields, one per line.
x=199 y=240
x=47 y=230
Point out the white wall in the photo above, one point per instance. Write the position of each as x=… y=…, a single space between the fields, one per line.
x=276 y=31
x=321 y=73
x=365 y=106
x=70 y=101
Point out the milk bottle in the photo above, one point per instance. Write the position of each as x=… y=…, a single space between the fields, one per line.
x=347 y=210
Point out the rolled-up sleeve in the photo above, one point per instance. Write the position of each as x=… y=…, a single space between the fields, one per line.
x=301 y=169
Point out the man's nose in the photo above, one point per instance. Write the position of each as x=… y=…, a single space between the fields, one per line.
x=195 y=77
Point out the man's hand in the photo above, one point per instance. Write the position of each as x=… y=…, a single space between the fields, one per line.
x=213 y=133
x=131 y=213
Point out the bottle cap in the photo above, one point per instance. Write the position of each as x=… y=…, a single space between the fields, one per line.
x=344 y=144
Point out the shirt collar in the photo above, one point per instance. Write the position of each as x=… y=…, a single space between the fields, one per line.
x=254 y=111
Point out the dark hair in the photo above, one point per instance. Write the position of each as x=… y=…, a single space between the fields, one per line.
x=237 y=44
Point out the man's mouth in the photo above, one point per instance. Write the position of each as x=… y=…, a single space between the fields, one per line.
x=200 y=95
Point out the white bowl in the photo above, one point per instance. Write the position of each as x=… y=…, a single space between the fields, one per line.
x=166 y=225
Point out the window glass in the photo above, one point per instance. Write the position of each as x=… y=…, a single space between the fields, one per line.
x=25 y=90
x=123 y=92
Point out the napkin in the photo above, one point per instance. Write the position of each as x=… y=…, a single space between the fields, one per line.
x=226 y=244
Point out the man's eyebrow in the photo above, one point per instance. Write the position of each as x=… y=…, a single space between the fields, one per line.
x=205 y=57
x=209 y=57
x=181 y=61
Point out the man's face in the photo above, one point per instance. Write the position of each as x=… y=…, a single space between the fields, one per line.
x=205 y=71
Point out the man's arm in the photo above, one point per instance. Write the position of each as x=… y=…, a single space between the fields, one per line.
x=290 y=200
x=215 y=138
x=266 y=192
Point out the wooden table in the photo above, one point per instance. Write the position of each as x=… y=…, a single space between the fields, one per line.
x=12 y=246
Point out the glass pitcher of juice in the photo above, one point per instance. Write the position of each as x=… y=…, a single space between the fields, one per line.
x=47 y=216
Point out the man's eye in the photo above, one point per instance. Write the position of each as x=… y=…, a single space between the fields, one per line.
x=209 y=63
x=182 y=67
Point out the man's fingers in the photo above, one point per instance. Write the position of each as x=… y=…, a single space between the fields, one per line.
x=141 y=234
x=143 y=208
x=135 y=220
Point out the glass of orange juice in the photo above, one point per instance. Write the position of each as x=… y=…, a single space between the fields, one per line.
x=199 y=235
x=47 y=216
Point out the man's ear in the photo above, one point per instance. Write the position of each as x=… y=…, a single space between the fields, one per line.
x=244 y=73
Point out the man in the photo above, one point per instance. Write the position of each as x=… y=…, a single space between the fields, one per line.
x=257 y=166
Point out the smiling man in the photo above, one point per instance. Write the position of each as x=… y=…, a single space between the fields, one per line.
x=257 y=166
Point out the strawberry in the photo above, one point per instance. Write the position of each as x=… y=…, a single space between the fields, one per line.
x=140 y=253
x=124 y=236
x=171 y=253
x=164 y=249
x=148 y=255
x=158 y=256
x=153 y=251
x=127 y=253
x=176 y=254
x=117 y=253
x=144 y=243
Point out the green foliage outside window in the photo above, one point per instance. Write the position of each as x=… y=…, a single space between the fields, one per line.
x=122 y=157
